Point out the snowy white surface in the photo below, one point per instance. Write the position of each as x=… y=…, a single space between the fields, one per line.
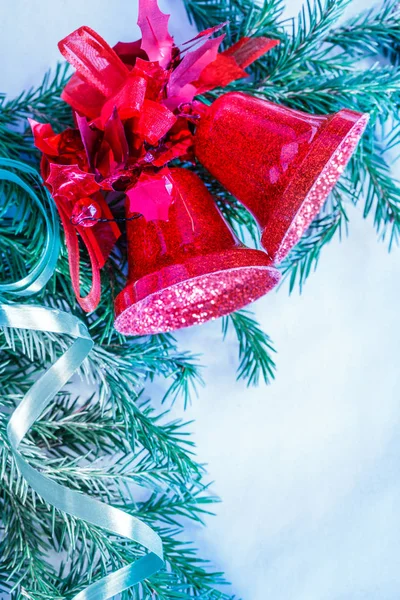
x=307 y=468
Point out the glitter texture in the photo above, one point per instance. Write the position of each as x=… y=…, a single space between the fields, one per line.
x=323 y=185
x=280 y=163
x=197 y=300
x=189 y=269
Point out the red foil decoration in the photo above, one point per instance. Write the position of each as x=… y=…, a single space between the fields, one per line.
x=189 y=269
x=70 y=186
x=280 y=163
x=151 y=196
x=134 y=113
x=64 y=168
x=86 y=212
x=230 y=64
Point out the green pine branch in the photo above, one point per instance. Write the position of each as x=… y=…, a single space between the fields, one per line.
x=244 y=17
x=42 y=103
x=305 y=39
x=255 y=348
x=372 y=32
x=110 y=442
x=381 y=191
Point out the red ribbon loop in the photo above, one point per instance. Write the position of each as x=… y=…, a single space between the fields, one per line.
x=95 y=61
x=89 y=302
x=98 y=240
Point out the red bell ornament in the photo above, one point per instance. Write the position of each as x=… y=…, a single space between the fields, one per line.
x=280 y=163
x=189 y=269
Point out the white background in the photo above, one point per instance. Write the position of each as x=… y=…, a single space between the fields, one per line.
x=308 y=469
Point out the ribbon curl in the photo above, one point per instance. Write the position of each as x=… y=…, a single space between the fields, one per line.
x=42 y=392
x=43 y=270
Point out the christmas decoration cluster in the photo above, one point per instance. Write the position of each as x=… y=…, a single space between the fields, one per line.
x=137 y=109
x=158 y=161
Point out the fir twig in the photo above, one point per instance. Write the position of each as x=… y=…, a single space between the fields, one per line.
x=255 y=348
x=84 y=442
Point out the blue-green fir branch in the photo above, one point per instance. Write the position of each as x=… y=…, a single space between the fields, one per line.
x=315 y=68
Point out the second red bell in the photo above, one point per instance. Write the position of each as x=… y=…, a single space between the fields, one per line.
x=280 y=163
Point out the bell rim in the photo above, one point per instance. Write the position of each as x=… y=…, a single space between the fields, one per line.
x=337 y=131
x=130 y=305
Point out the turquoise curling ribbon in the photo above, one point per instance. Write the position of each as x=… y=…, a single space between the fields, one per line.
x=43 y=270
x=41 y=394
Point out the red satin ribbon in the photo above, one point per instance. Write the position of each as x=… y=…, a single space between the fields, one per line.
x=113 y=85
x=63 y=157
x=95 y=61
x=98 y=240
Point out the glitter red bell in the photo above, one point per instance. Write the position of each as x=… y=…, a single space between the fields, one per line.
x=280 y=163
x=188 y=269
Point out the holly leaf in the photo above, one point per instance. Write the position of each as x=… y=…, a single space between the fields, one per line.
x=70 y=182
x=152 y=196
x=156 y=40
